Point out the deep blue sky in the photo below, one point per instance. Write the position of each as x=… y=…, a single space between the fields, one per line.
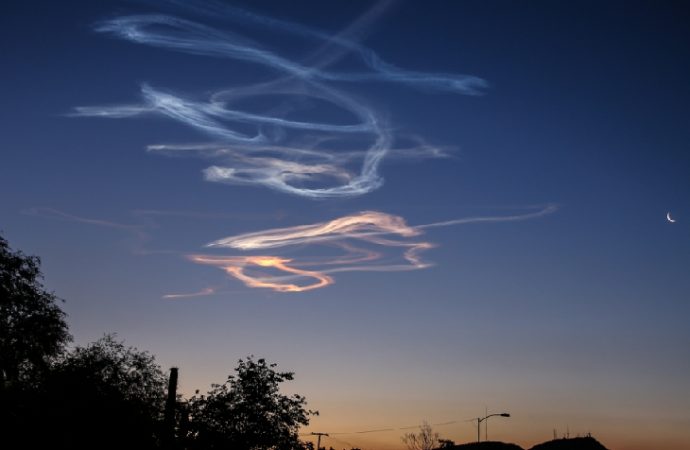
x=577 y=318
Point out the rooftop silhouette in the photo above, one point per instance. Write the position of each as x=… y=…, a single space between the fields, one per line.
x=577 y=443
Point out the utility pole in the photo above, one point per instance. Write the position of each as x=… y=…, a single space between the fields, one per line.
x=318 y=441
x=170 y=403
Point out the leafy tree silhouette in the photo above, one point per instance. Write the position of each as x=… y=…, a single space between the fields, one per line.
x=32 y=325
x=109 y=396
x=33 y=332
x=248 y=412
x=105 y=396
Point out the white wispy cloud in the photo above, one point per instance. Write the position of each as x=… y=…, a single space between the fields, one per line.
x=315 y=159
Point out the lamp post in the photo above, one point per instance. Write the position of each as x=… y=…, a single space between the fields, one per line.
x=482 y=419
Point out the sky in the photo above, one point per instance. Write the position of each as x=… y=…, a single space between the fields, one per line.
x=428 y=211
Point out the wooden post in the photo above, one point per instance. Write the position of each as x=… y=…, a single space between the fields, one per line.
x=170 y=403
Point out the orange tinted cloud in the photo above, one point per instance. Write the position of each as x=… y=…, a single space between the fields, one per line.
x=365 y=241
x=236 y=267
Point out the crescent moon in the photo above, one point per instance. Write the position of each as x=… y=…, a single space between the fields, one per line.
x=668 y=217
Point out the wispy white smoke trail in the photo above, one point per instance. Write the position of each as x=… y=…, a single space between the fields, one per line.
x=298 y=157
x=190 y=37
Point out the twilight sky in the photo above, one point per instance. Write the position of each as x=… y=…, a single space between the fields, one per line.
x=425 y=210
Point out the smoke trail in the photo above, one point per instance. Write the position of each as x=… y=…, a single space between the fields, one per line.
x=304 y=158
x=351 y=234
x=202 y=293
x=190 y=37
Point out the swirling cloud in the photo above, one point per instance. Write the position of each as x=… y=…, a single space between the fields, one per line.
x=364 y=240
x=315 y=159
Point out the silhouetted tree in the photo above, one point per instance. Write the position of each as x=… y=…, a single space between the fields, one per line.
x=32 y=326
x=446 y=443
x=105 y=396
x=248 y=412
x=426 y=439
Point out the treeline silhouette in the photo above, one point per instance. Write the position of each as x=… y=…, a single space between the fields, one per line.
x=106 y=395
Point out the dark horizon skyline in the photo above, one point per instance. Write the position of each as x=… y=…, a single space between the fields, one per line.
x=439 y=208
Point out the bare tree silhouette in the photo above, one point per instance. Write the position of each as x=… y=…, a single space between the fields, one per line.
x=426 y=439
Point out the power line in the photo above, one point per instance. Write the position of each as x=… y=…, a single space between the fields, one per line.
x=381 y=430
x=343 y=442
x=371 y=431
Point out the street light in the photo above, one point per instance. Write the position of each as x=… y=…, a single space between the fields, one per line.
x=481 y=419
